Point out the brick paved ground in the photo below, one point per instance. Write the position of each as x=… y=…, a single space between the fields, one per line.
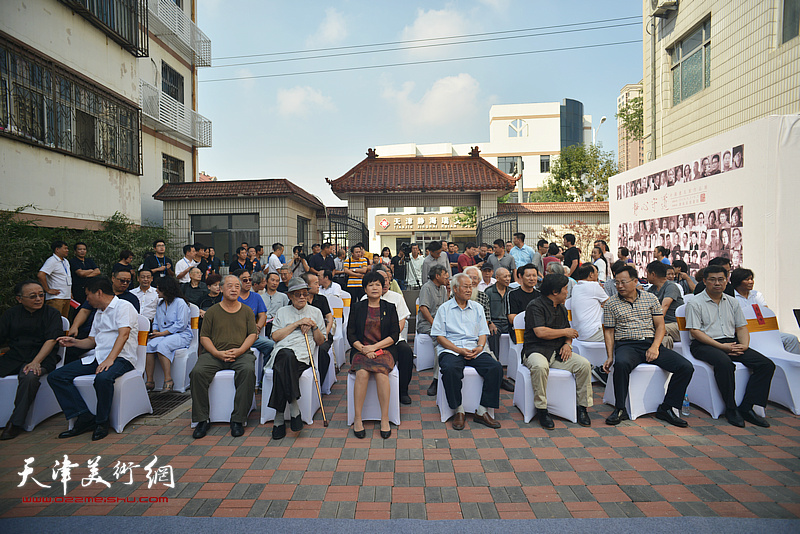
x=428 y=471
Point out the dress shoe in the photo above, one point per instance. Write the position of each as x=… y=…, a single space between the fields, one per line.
x=360 y=434
x=665 y=413
x=486 y=420
x=507 y=385
x=201 y=429
x=433 y=388
x=81 y=425
x=296 y=424
x=386 y=434
x=583 y=416
x=458 y=421
x=100 y=432
x=278 y=431
x=734 y=417
x=405 y=399
x=599 y=374
x=237 y=429
x=10 y=432
x=545 y=420
x=617 y=416
x=752 y=417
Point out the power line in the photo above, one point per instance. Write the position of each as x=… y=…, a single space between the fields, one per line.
x=328 y=49
x=362 y=52
x=425 y=62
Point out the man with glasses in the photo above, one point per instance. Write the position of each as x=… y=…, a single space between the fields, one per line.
x=29 y=330
x=291 y=357
x=159 y=264
x=633 y=327
x=720 y=337
x=256 y=303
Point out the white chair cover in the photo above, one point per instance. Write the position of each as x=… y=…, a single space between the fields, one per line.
x=183 y=357
x=424 y=352
x=471 y=389
x=371 y=410
x=308 y=401
x=561 y=394
x=646 y=389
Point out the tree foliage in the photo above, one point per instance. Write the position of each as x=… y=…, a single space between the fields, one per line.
x=26 y=246
x=580 y=173
x=631 y=116
x=585 y=235
x=466 y=215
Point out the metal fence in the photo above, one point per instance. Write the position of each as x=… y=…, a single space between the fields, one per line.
x=345 y=231
x=125 y=21
x=501 y=226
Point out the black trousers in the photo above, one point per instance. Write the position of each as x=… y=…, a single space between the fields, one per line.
x=405 y=365
x=324 y=359
x=763 y=368
x=27 y=387
x=452 y=368
x=629 y=354
x=286 y=371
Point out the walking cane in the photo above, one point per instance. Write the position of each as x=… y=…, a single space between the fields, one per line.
x=316 y=380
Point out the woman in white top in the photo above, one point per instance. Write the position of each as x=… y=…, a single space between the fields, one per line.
x=601 y=263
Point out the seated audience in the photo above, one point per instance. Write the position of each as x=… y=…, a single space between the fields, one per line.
x=214 y=295
x=254 y=301
x=321 y=302
x=517 y=299
x=669 y=296
x=587 y=304
x=432 y=295
x=327 y=286
x=273 y=299
x=725 y=263
x=497 y=309
x=172 y=330
x=147 y=295
x=195 y=290
x=486 y=277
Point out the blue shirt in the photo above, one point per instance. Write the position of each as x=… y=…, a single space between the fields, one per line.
x=255 y=302
x=462 y=327
x=522 y=256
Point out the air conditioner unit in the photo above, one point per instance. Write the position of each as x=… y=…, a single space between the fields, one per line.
x=661 y=8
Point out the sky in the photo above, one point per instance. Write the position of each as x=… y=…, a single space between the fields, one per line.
x=274 y=118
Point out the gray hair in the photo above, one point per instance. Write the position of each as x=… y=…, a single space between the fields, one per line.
x=555 y=268
x=259 y=277
x=231 y=276
x=435 y=271
x=457 y=279
x=472 y=268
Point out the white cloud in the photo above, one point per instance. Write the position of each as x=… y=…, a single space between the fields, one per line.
x=498 y=5
x=449 y=100
x=435 y=23
x=302 y=101
x=332 y=30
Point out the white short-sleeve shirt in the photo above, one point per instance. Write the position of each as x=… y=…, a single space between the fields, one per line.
x=58 y=277
x=105 y=331
x=587 y=312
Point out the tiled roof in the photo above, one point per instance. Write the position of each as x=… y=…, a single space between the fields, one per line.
x=234 y=189
x=554 y=207
x=421 y=174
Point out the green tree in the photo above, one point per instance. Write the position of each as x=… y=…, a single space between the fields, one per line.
x=466 y=215
x=580 y=173
x=631 y=116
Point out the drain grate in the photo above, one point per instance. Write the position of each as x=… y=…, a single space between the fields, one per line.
x=163 y=403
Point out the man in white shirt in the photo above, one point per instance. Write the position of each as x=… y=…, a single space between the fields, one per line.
x=275 y=258
x=586 y=304
x=327 y=286
x=414 y=268
x=56 y=278
x=147 y=295
x=114 y=338
x=486 y=273
x=185 y=264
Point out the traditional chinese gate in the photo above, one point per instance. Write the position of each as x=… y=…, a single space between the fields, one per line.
x=345 y=231
x=502 y=226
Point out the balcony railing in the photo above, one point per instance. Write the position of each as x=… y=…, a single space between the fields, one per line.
x=125 y=21
x=169 y=22
x=173 y=117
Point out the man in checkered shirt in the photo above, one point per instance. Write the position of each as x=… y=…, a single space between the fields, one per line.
x=633 y=327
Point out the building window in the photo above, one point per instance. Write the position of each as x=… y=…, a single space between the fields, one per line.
x=125 y=21
x=511 y=165
x=303 y=235
x=791 y=20
x=396 y=210
x=172 y=169
x=225 y=232
x=44 y=104
x=544 y=164
x=691 y=64
x=171 y=82
x=518 y=128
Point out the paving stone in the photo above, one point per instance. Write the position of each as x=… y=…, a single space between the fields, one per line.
x=780 y=494
x=533 y=478
x=575 y=452
x=550 y=510
x=659 y=477
x=719 y=476
x=621 y=509
x=697 y=509
x=769 y=510
x=596 y=478
x=555 y=465
x=641 y=493
x=710 y=493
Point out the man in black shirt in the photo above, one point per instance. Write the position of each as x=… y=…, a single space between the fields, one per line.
x=517 y=299
x=159 y=264
x=82 y=268
x=30 y=330
x=322 y=261
x=572 y=256
x=321 y=302
x=548 y=344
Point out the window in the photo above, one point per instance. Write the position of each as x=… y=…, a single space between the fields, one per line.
x=791 y=20
x=44 y=104
x=511 y=165
x=396 y=210
x=303 y=236
x=125 y=21
x=171 y=82
x=226 y=232
x=691 y=64
x=544 y=164
x=172 y=169
x=518 y=128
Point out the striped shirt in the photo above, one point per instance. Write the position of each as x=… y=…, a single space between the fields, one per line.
x=350 y=263
x=632 y=320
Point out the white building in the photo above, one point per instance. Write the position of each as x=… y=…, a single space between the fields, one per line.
x=97 y=106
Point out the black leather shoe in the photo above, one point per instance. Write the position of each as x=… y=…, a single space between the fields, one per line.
x=405 y=399
x=734 y=417
x=278 y=431
x=201 y=429
x=545 y=420
x=80 y=426
x=10 y=432
x=583 y=416
x=100 y=432
x=507 y=385
x=386 y=434
x=752 y=417
x=360 y=434
x=617 y=416
x=296 y=424
x=433 y=388
x=665 y=413
x=237 y=429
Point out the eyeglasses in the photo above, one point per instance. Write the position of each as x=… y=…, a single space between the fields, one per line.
x=246 y=279
x=33 y=296
x=300 y=293
x=622 y=282
x=124 y=280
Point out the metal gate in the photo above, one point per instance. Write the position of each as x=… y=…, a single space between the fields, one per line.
x=501 y=226
x=345 y=231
